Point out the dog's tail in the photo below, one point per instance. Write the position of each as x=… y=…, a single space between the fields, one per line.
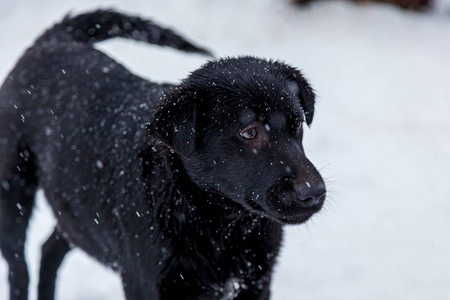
x=101 y=25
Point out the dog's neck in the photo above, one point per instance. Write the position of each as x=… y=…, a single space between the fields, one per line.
x=202 y=226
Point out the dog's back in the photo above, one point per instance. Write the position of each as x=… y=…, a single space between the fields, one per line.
x=72 y=121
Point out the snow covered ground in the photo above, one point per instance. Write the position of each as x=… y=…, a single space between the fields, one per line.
x=381 y=136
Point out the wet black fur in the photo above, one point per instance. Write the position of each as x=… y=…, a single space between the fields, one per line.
x=151 y=179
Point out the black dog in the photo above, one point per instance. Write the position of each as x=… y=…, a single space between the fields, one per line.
x=183 y=190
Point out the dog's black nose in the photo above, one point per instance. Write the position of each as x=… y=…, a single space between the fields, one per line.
x=310 y=195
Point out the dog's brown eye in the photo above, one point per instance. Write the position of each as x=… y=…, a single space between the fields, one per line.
x=249 y=134
x=298 y=126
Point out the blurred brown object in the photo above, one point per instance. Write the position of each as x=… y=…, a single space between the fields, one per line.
x=408 y=4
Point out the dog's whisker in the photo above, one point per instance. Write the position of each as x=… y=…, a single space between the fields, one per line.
x=323 y=168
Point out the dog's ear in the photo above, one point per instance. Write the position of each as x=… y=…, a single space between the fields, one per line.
x=304 y=91
x=174 y=125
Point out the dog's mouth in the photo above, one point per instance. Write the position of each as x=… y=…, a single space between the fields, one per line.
x=282 y=208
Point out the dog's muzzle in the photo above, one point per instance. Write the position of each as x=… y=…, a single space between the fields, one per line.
x=294 y=203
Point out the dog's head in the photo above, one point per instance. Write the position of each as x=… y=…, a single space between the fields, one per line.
x=237 y=125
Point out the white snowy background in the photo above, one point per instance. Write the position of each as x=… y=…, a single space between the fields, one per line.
x=381 y=136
